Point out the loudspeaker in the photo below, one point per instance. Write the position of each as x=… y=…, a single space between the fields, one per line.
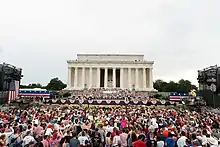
x=1 y=80
x=218 y=82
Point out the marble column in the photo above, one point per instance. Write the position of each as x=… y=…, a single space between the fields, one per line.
x=151 y=78
x=136 y=79
x=129 y=78
x=90 y=77
x=70 y=77
x=76 y=78
x=106 y=78
x=144 y=78
x=83 y=77
x=98 y=78
x=114 y=78
x=121 y=78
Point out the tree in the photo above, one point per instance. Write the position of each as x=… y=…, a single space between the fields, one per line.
x=31 y=86
x=181 y=86
x=159 y=96
x=67 y=94
x=160 y=85
x=55 y=84
x=171 y=87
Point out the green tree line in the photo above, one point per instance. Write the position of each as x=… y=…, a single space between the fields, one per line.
x=54 y=84
x=182 y=85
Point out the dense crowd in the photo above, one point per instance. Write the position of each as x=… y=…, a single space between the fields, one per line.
x=105 y=93
x=131 y=126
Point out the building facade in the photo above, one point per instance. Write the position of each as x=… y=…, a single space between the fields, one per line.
x=110 y=71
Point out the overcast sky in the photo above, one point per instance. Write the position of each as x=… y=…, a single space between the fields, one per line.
x=181 y=36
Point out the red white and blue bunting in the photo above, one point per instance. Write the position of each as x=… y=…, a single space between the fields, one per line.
x=117 y=101
x=71 y=101
x=145 y=102
x=99 y=101
x=110 y=102
x=90 y=101
x=63 y=101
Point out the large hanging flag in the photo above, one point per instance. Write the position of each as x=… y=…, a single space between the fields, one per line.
x=13 y=91
x=174 y=96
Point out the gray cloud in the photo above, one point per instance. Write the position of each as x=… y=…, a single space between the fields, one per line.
x=39 y=36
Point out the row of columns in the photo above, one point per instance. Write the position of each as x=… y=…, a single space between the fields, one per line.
x=114 y=77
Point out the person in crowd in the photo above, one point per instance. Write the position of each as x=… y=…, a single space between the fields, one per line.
x=116 y=140
x=153 y=140
x=83 y=140
x=170 y=142
x=181 y=142
x=160 y=142
x=2 y=141
x=45 y=141
x=140 y=142
x=123 y=138
x=28 y=139
x=212 y=142
x=132 y=137
x=96 y=140
x=74 y=142
x=108 y=140
x=102 y=134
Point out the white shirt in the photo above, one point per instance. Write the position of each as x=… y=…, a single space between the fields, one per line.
x=116 y=140
x=160 y=144
x=82 y=140
x=181 y=142
x=212 y=142
x=49 y=132
x=56 y=126
x=203 y=138
x=109 y=129
x=36 y=121
x=28 y=139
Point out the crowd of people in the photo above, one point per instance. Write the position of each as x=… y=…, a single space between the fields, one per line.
x=97 y=126
x=107 y=93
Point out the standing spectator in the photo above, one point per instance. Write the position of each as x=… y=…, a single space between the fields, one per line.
x=96 y=140
x=160 y=142
x=140 y=142
x=102 y=134
x=74 y=142
x=123 y=137
x=170 y=142
x=45 y=141
x=83 y=139
x=108 y=140
x=2 y=141
x=116 y=140
x=181 y=142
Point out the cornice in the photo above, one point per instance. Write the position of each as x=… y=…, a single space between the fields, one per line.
x=107 y=62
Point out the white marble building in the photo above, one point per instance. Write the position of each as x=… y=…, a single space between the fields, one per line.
x=125 y=71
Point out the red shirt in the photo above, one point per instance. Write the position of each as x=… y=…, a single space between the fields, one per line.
x=165 y=133
x=139 y=143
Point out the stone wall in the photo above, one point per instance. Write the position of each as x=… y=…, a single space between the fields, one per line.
x=109 y=57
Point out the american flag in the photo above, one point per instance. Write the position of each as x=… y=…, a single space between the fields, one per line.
x=13 y=91
x=177 y=96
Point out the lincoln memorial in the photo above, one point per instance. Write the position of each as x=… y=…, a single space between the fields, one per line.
x=124 y=71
